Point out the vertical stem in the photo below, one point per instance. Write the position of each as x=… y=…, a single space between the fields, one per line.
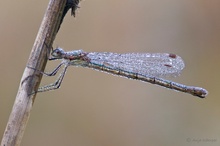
x=31 y=79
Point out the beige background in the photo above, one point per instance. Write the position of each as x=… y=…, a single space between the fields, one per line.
x=97 y=109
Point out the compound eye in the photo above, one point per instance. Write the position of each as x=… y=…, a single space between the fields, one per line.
x=57 y=53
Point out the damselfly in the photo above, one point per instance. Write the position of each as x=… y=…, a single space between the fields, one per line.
x=147 y=67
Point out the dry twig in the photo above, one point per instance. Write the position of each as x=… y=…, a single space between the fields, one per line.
x=31 y=79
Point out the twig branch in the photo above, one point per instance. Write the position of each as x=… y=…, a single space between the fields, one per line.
x=31 y=79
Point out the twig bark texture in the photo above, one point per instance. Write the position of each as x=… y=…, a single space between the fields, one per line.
x=30 y=80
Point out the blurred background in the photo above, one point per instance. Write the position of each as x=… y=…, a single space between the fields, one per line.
x=93 y=108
